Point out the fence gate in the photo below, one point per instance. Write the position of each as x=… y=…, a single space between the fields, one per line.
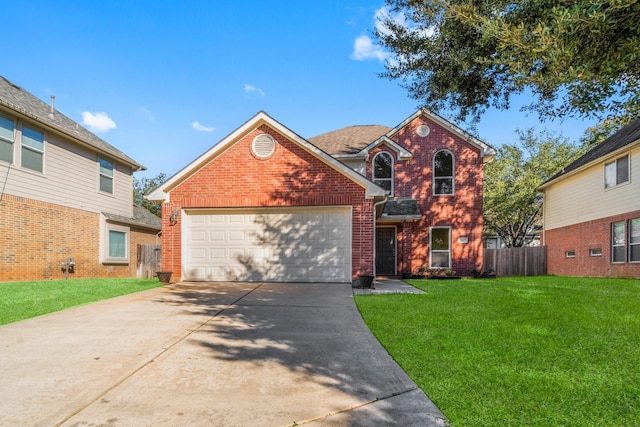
x=524 y=261
x=149 y=260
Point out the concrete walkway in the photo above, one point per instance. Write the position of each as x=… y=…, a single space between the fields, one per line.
x=223 y=354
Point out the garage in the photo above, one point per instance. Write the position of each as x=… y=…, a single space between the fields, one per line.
x=306 y=244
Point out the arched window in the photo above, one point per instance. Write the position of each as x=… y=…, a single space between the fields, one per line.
x=443 y=173
x=383 y=171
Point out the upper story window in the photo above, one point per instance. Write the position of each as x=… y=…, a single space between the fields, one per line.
x=443 y=173
x=32 y=149
x=7 y=138
x=106 y=176
x=616 y=172
x=383 y=171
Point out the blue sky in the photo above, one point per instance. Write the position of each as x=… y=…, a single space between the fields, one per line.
x=163 y=81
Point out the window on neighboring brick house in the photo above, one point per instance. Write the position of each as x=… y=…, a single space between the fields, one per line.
x=106 y=176
x=616 y=172
x=114 y=243
x=383 y=171
x=32 y=149
x=7 y=139
x=440 y=247
x=618 y=246
x=634 y=240
x=443 y=173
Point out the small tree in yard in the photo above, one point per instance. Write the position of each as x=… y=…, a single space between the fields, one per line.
x=142 y=187
x=512 y=203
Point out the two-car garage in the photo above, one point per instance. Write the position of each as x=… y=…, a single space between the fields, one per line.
x=306 y=244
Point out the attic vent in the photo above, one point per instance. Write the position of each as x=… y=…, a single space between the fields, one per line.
x=263 y=145
x=423 y=130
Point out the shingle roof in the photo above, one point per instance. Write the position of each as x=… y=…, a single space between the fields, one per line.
x=625 y=136
x=141 y=218
x=348 y=140
x=21 y=101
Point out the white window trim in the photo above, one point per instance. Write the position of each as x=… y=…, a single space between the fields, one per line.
x=629 y=242
x=113 y=177
x=615 y=161
x=439 y=251
x=595 y=252
x=624 y=244
x=11 y=141
x=105 y=227
x=373 y=171
x=35 y=150
x=570 y=253
x=453 y=174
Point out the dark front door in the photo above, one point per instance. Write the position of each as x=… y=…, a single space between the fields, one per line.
x=386 y=251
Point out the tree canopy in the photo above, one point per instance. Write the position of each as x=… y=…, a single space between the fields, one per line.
x=512 y=203
x=142 y=187
x=578 y=58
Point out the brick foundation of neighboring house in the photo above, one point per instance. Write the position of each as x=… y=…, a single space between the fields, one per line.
x=36 y=237
x=582 y=238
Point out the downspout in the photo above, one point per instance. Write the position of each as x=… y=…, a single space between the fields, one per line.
x=375 y=205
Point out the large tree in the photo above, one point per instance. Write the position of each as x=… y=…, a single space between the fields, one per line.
x=142 y=187
x=577 y=58
x=512 y=204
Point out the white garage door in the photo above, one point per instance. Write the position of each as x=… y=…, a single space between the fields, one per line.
x=276 y=245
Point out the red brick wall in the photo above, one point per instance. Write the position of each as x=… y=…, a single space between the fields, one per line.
x=581 y=238
x=36 y=237
x=462 y=211
x=289 y=177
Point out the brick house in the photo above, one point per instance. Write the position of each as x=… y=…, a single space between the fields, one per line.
x=64 y=193
x=265 y=204
x=592 y=210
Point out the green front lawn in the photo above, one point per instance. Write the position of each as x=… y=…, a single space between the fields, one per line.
x=23 y=300
x=523 y=351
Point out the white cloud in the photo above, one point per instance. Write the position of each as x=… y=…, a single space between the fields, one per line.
x=251 y=89
x=201 y=128
x=364 y=49
x=98 y=122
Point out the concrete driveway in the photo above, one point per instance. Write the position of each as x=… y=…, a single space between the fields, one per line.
x=215 y=354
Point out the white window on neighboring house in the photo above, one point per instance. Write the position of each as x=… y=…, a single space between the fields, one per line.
x=114 y=243
x=443 y=173
x=618 y=241
x=440 y=247
x=616 y=172
x=32 y=149
x=383 y=171
x=634 y=240
x=106 y=176
x=7 y=139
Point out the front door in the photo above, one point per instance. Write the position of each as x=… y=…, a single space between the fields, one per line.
x=386 y=251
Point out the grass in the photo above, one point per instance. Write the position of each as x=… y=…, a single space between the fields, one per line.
x=524 y=351
x=23 y=300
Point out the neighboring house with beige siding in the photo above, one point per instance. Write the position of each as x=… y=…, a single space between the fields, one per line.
x=592 y=210
x=64 y=193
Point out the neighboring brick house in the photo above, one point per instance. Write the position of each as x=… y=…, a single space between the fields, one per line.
x=64 y=193
x=267 y=204
x=592 y=210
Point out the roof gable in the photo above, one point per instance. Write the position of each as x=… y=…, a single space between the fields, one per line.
x=162 y=193
x=24 y=103
x=486 y=151
x=357 y=141
x=625 y=137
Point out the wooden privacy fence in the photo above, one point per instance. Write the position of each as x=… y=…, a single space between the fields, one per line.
x=149 y=260
x=525 y=261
